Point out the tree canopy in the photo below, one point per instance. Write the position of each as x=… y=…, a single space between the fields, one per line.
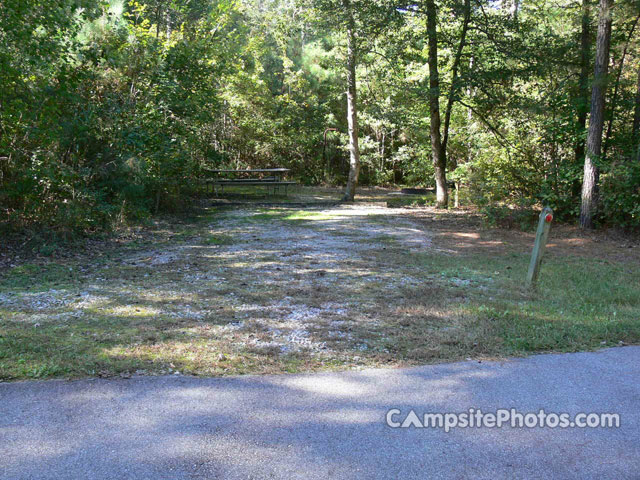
x=109 y=110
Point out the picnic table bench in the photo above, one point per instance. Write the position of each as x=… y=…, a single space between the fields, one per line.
x=272 y=178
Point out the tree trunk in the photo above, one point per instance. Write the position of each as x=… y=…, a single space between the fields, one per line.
x=616 y=89
x=454 y=73
x=585 y=50
x=515 y=6
x=352 y=109
x=438 y=153
x=383 y=152
x=596 y=119
x=636 y=120
x=636 y=113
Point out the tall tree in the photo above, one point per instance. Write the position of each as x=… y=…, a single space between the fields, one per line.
x=352 y=107
x=596 y=119
x=438 y=152
x=583 y=83
x=440 y=133
x=616 y=87
x=455 y=86
x=362 y=21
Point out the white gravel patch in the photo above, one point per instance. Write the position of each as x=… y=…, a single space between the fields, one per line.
x=329 y=253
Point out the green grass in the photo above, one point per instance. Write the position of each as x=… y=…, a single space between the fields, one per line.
x=579 y=303
x=36 y=278
x=288 y=216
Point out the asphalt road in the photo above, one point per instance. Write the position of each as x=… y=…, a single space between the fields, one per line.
x=326 y=426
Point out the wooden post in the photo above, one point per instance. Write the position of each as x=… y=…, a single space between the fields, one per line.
x=457 y=197
x=544 y=225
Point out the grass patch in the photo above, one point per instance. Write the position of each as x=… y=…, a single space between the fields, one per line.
x=124 y=346
x=579 y=303
x=38 y=277
x=308 y=216
x=289 y=216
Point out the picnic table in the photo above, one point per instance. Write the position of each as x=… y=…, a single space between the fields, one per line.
x=272 y=178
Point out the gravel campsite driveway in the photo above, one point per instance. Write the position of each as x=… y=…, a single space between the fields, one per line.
x=254 y=290
x=250 y=289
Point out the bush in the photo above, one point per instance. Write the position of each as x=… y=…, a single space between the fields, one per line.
x=620 y=196
x=521 y=218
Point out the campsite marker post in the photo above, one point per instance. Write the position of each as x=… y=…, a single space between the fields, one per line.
x=544 y=225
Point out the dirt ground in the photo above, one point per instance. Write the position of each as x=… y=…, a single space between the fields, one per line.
x=464 y=232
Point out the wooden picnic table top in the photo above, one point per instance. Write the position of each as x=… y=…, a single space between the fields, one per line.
x=258 y=170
